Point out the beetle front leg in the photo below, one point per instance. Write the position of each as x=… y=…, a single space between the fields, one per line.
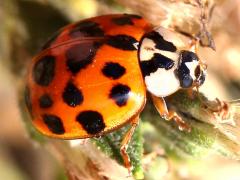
x=167 y=114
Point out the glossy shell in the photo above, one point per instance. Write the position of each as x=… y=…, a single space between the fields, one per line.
x=87 y=81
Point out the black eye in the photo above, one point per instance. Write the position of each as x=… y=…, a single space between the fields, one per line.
x=197 y=71
x=202 y=79
x=200 y=75
x=186 y=82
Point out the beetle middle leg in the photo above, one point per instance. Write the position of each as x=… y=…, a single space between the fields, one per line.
x=125 y=142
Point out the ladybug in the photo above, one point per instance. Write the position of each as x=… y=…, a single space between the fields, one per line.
x=92 y=76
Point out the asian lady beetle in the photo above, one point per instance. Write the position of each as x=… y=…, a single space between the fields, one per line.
x=91 y=77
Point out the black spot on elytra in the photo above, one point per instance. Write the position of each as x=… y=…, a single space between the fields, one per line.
x=27 y=97
x=133 y=16
x=123 y=20
x=157 y=61
x=122 y=42
x=91 y=121
x=160 y=42
x=113 y=70
x=81 y=55
x=72 y=96
x=120 y=94
x=51 y=40
x=44 y=70
x=182 y=71
x=54 y=123
x=45 y=101
x=86 y=29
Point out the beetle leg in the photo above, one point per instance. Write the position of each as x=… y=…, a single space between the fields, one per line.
x=190 y=93
x=220 y=108
x=167 y=114
x=125 y=142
